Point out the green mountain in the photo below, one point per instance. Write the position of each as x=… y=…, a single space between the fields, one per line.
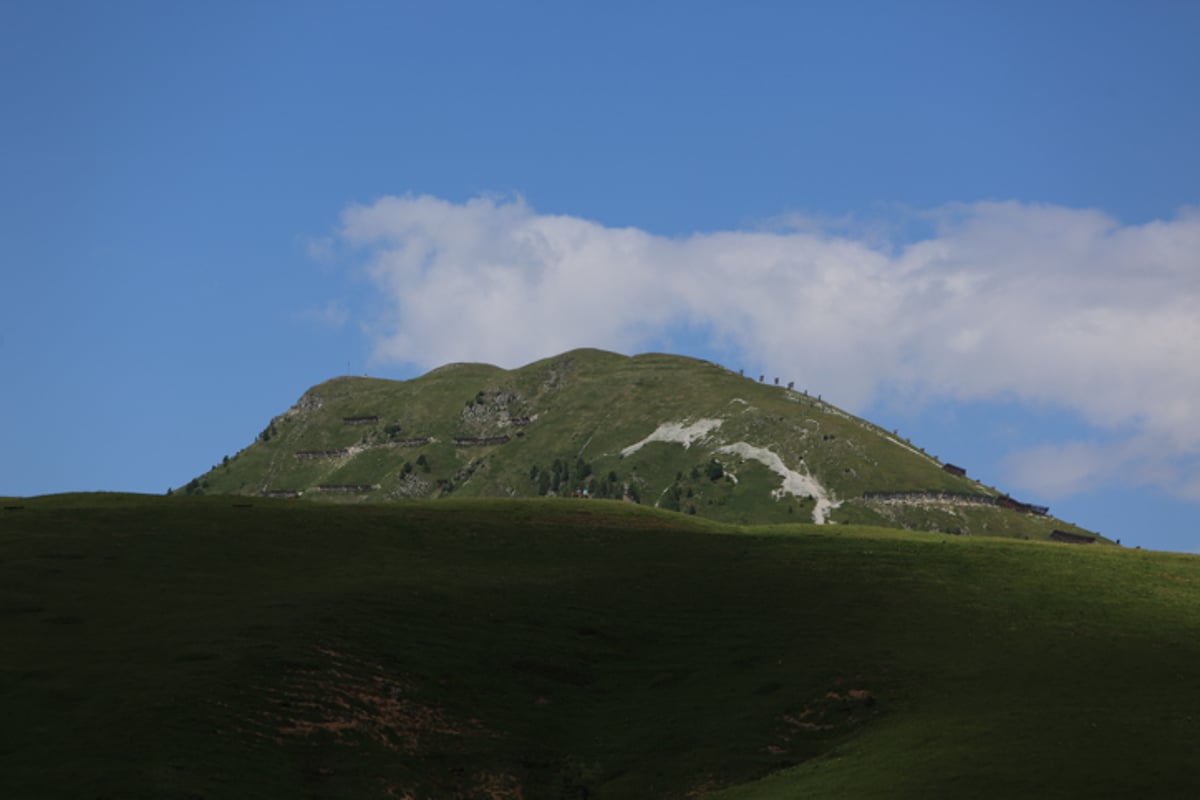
x=666 y=431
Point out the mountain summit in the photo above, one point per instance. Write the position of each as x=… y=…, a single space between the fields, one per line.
x=662 y=430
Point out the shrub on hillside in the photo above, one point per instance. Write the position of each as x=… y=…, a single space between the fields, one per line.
x=714 y=470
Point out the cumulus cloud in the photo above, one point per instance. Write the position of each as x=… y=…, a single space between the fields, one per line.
x=1064 y=469
x=1043 y=304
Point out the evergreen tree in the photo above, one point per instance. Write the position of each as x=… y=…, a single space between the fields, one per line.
x=714 y=471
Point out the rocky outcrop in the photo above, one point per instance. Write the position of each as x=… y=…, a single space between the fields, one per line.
x=483 y=441
x=956 y=498
x=492 y=409
x=305 y=455
x=935 y=497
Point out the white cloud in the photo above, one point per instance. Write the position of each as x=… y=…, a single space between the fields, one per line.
x=1046 y=304
x=333 y=314
x=1133 y=461
x=322 y=249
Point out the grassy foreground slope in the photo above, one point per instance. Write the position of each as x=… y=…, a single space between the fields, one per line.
x=669 y=431
x=208 y=647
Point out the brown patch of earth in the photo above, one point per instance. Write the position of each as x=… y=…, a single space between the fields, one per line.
x=498 y=786
x=351 y=697
x=838 y=709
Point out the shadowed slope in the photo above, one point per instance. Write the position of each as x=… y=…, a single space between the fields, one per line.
x=203 y=647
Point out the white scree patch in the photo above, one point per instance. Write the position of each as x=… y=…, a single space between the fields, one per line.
x=798 y=484
x=677 y=433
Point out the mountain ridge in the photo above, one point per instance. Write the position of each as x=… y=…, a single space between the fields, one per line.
x=669 y=431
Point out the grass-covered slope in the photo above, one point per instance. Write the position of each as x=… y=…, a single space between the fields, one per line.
x=227 y=648
x=667 y=431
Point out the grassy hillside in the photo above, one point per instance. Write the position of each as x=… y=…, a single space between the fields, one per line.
x=666 y=431
x=225 y=647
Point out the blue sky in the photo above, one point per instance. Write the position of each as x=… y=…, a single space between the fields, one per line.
x=973 y=222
